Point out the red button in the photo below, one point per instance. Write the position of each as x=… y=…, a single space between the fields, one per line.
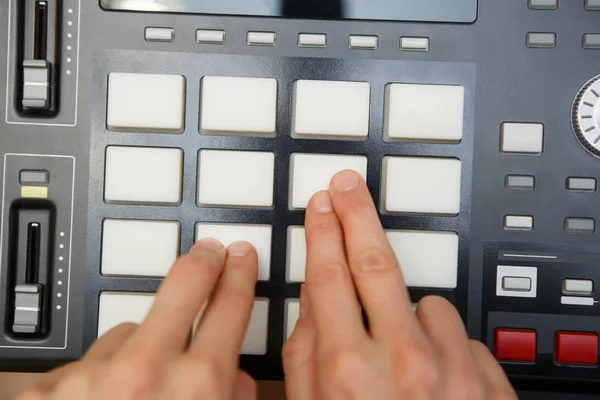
x=517 y=345
x=576 y=348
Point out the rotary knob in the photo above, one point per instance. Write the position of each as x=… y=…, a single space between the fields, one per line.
x=586 y=116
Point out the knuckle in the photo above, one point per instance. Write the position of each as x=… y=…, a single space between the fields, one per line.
x=328 y=273
x=209 y=376
x=296 y=352
x=418 y=365
x=323 y=227
x=345 y=366
x=467 y=384
x=134 y=372
x=376 y=260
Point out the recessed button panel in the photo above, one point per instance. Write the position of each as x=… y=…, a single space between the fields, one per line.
x=576 y=348
x=519 y=182
x=578 y=287
x=581 y=225
x=154 y=34
x=117 y=308
x=312 y=40
x=582 y=184
x=592 y=5
x=543 y=4
x=541 y=40
x=208 y=36
x=591 y=41
x=414 y=43
x=518 y=222
x=522 y=138
x=516 y=281
x=516 y=284
x=515 y=345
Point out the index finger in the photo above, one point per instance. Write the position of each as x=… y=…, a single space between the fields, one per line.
x=373 y=263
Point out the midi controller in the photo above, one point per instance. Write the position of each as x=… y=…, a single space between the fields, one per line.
x=130 y=129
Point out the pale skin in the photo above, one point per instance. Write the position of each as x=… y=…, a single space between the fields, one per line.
x=331 y=354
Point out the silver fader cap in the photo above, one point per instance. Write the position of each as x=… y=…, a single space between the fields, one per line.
x=28 y=302
x=36 y=84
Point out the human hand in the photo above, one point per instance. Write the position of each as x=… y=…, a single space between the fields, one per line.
x=403 y=355
x=157 y=360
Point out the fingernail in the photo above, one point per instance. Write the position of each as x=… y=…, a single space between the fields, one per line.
x=322 y=203
x=345 y=181
x=304 y=303
x=239 y=249
x=209 y=244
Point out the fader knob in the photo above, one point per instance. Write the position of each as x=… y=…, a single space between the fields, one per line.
x=586 y=116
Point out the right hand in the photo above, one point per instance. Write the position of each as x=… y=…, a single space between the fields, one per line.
x=403 y=355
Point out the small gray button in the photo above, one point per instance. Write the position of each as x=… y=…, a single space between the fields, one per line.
x=28 y=301
x=582 y=225
x=153 y=34
x=580 y=287
x=591 y=41
x=543 y=4
x=36 y=84
x=581 y=184
x=520 y=182
x=32 y=177
x=414 y=43
x=516 y=283
x=540 y=40
x=592 y=5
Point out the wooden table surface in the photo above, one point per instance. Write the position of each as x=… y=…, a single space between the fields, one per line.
x=11 y=384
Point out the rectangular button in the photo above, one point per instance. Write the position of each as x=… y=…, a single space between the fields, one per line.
x=152 y=34
x=581 y=225
x=363 y=42
x=576 y=348
x=519 y=182
x=592 y=5
x=139 y=248
x=512 y=280
x=515 y=345
x=582 y=184
x=311 y=173
x=34 y=177
x=292 y=314
x=421 y=185
x=522 y=138
x=414 y=43
x=145 y=102
x=296 y=254
x=581 y=287
x=257 y=235
x=577 y=301
x=236 y=178
x=516 y=284
x=255 y=341
x=210 y=36
x=234 y=105
x=518 y=222
x=541 y=40
x=143 y=175
x=120 y=307
x=331 y=109
x=261 y=38
x=591 y=41
x=312 y=40
x=409 y=116
x=543 y=4
x=428 y=259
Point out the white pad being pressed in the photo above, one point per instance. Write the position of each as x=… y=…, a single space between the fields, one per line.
x=424 y=112
x=255 y=341
x=292 y=314
x=242 y=105
x=120 y=307
x=421 y=185
x=312 y=173
x=257 y=235
x=427 y=259
x=328 y=108
x=296 y=254
x=236 y=178
x=145 y=102
x=143 y=175
x=522 y=138
x=139 y=248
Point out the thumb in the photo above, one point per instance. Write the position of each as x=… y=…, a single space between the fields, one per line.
x=299 y=355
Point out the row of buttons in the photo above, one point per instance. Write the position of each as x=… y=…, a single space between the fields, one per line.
x=571 y=348
x=321 y=109
x=145 y=175
x=548 y=40
x=590 y=5
x=573 y=184
x=212 y=36
x=146 y=248
x=571 y=225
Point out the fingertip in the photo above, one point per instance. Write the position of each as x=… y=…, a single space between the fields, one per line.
x=240 y=249
x=345 y=181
